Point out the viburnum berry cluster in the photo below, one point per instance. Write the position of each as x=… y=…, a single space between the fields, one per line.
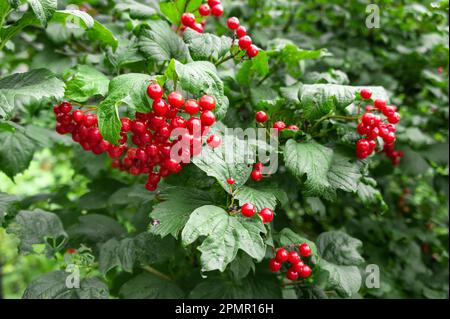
x=261 y=117
x=153 y=134
x=249 y=210
x=245 y=42
x=188 y=19
x=297 y=268
x=372 y=125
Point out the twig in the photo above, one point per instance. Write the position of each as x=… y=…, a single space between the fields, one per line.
x=157 y=273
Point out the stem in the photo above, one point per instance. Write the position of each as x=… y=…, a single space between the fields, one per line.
x=157 y=273
x=225 y=59
x=336 y=117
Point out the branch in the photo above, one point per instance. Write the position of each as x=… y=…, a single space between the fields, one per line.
x=157 y=273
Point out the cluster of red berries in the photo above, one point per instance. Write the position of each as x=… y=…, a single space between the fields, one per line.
x=372 y=126
x=249 y=210
x=245 y=41
x=297 y=267
x=153 y=134
x=257 y=174
x=213 y=7
x=261 y=117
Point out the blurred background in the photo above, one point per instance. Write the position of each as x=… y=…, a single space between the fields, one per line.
x=407 y=54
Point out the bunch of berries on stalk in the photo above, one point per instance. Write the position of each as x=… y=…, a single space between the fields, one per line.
x=188 y=19
x=261 y=117
x=154 y=135
x=249 y=210
x=297 y=268
x=245 y=42
x=372 y=125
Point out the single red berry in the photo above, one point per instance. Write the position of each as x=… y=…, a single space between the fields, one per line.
x=207 y=118
x=294 y=257
x=368 y=119
x=204 y=10
x=126 y=124
x=178 y=122
x=366 y=94
x=266 y=215
x=279 y=126
x=391 y=128
x=90 y=120
x=197 y=27
x=282 y=255
x=259 y=166
x=207 y=103
x=261 y=117
x=389 y=110
x=152 y=150
x=233 y=23
x=138 y=127
x=362 y=145
x=214 y=141
x=256 y=175
x=305 y=250
x=212 y=3
x=293 y=128
x=150 y=187
x=78 y=116
x=291 y=274
x=274 y=265
x=155 y=91
x=156 y=122
x=154 y=178
x=160 y=107
x=194 y=124
x=252 y=51
x=230 y=181
x=56 y=109
x=65 y=107
x=217 y=10
x=245 y=42
x=248 y=210
x=373 y=133
x=241 y=31
x=380 y=104
x=394 y=118
x=298 y=266
x=305 y=272
x=191 y=107
x=187 y=19
x=71 y=251
x=175 y=99
x=389 y=138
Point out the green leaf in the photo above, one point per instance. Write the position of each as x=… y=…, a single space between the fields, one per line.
x=346 y=280
x=206 y=46
x=369 y=195
x=16 y=152
x=200 y=78
x=38 y=227
x=22 y=88
x=148 y=286
x=53 y=285
x=43 y=9
x=84 y=82
x=177 y=204
x=241 y=266
x=8 y=204
x=344 y=172
x=173 y=9
x=126 y=53
x=340 y=248
x=129 y=89
x=225 y=235
x=288 y=237
x=312 y=161
x=136 y=9
x=159 y=43
x=260 y=196
x=95 y=228
x=260 y=63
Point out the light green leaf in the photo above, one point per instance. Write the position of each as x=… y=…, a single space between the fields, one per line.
x=8 y=204
x=340 y=248
x=159 y=43
x=225 y=235
x=43 y=9
x=344 y=172
x=260 y=196
x=84 y=82
x=288 y=237
x=369 y=195
x=148 y=286
x=206 y=46
x=346 y=280
x=136 y=9
x=22 y=88
x=173 y=9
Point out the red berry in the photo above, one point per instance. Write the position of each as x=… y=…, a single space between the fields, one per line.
x=305 y=250
x=363 y=129
x=160 y=107
x=380 y=104
x=191 y=107
x=366 y=94
x=368 y=119
x=197 y=27
x=389 y=138
x=194 y=124
x=252 y=51
x=207 y=118
x=293 y=128
x=282 y=255
x=188 y=19
x=266 y=215
x=151 y=150
x=261 y=117
x=155 y=91
x=298 y=266
x=294 y=257
x=71 y=251
x=156 y=122
x=305 y=272
x=78 y=116
x=153 y=178
x=178 y=122
x=394 y=118
x=291 y=274
x=241 y=31
x=204 y=10
x=172 y=165
x=259 y=166
x=274 y=265
x=279 y=126
x=207 y=103
x=373 y=133
x=212 y=3
x=230 y=181
x=214 y=141
x=248 y=210
x=175 y=99
x=245 y=42
x=389 y=110
x=126 y=124
x=362 y=145
x=65 y=107
x=90 y=120
x=217 y=10
x=256 y=175
x=138 y=127
x=233 y=23
x=56 y=109
x=151 y=187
